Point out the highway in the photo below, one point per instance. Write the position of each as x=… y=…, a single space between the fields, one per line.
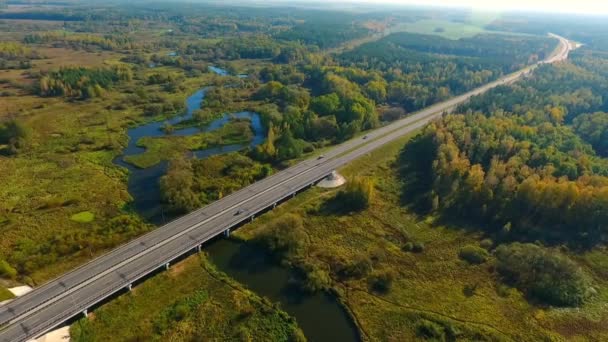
x=55 y=302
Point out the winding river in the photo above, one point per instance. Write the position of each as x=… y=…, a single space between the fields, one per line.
x=320 y=315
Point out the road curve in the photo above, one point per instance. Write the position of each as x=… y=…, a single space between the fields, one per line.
x=55 y=302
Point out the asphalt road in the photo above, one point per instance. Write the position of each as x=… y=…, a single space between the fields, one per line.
x=52 y=304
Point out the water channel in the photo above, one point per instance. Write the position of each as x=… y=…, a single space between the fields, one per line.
x=320 y=315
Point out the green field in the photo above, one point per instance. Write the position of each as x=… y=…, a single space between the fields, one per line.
x=444 y=28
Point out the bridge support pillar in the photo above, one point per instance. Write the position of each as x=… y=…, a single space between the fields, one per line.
x=274 y=205
x=167 y=266
x=199 y=248
x=252 y=217
x=293 y=195
x=227 y=232
x=85 y=313
x=130 y=287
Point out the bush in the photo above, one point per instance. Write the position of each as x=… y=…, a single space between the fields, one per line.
x=473 y=254
x=381 y=282
x=543 y=274
x=357 y=195
x=7 y=270
x=430 y=330
x=418 y=247
x=316 y=279
x=486 y=244
x=358 y=268
x=285 y=236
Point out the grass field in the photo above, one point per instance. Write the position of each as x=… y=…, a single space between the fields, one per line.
x=430 y=291
x=444 y=28
x=190 y=302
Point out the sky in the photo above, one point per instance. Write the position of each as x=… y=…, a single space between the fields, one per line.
x=564 y=6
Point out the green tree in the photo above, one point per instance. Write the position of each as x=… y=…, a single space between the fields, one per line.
x=288 y=147
x=357 y=195
x=376 y=90
x=543 y=274
x=326 y=104
x=6 y=270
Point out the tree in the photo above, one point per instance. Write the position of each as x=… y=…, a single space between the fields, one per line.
x=376 y=90
x=285 y=236
x=288 y=147
x=593 y=128
x=7 y=270
x=543 y=274
x=267 y=151
x=270 y=90
x=325 y=104
x=357 y=195
x=13 y=134
x=176 y=187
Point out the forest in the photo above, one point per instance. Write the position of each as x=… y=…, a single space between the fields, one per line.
x=526 y=160
x=81 y=82
x=419 y=70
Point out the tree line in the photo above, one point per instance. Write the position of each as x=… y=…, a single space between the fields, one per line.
x=81 y=82
x=522 y=181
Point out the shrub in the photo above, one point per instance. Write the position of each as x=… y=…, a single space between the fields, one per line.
x=316 y=279
x=358 y=268
x=430 y=330
x=473 y=254
x=357 y=195
x=543 y=274
x=418 y=247
x=381 y=282
x=486 y=244
x=285 y=236
x=7 y=270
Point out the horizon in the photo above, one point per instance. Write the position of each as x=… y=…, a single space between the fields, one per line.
x=585 y=7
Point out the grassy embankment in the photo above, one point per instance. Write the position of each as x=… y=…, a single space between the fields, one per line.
x=432 y=293
x=190 y=302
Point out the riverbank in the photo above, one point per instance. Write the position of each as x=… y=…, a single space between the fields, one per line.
x=191 y=301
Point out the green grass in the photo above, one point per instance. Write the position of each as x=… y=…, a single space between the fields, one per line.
x=435 y=285
x=5 y=294
x=191 y=301
x=165 y=148
x=83 y=217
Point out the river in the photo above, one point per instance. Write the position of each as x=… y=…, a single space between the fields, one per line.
x=320 y=315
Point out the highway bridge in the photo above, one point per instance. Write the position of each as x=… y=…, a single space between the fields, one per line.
x=73 y=293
